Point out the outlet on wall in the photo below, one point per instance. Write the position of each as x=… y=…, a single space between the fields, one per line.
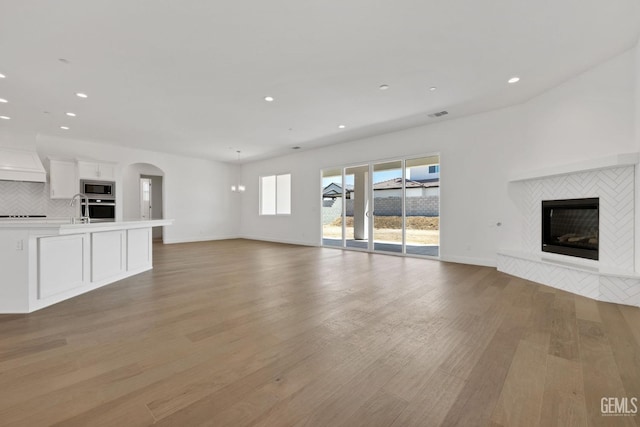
x=19 y=245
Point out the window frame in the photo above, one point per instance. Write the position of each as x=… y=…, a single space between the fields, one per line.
x=275 y=195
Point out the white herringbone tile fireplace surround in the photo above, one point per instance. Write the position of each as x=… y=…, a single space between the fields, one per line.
x=612 y=278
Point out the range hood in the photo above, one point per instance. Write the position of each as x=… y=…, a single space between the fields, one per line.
x=21 y=165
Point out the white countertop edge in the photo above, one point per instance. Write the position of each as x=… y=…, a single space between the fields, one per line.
x=108 y=226
x=63 y=228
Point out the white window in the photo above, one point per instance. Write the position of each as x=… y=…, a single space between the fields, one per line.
x=268 y=195
x=275 y=195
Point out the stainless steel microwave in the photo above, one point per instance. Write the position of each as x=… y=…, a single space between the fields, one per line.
x=98 y=189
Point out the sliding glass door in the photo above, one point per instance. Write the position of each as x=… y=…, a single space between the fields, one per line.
x=387 y=206
x=391 y=206
x=422 y=206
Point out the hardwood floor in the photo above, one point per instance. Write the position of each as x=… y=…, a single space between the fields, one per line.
x=243 y=333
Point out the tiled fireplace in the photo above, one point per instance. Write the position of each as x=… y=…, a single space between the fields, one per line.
x=610 y=276
x=571 y=227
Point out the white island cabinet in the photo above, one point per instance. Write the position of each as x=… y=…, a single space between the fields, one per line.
x=46 y=261
x=61 y=262
x=108 y=253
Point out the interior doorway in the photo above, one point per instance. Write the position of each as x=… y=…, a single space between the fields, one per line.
x=151 y=200
x=140 y=200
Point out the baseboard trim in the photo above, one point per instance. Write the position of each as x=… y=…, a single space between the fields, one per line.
x=484 y=262
x=271 y=239
x=198 y=239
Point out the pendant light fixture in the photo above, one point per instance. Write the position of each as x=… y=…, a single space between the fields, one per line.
x=239 y=187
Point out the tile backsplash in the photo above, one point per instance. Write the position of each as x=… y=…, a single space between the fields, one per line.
x=31 y=198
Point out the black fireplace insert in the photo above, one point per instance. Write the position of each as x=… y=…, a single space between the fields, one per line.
x=571 y=227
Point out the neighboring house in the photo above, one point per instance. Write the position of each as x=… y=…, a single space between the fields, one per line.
x=332 y=191
x=393 y=188
x=389 y=188
x=424 y=173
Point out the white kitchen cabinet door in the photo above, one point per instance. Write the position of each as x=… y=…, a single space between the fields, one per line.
x=63 y=180
x=88 y=170
x=61 y=264
x=106 y=171
x=107 y=254
x=94 y=170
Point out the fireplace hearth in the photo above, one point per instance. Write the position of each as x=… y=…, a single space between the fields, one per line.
x=571 y=227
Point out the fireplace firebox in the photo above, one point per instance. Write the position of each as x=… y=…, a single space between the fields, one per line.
x=570 y=227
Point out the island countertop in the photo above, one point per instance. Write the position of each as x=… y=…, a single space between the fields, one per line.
x=63 y=226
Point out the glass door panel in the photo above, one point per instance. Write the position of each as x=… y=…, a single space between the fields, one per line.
x=356 y=220
x=332 y=207
x=387 y=206
x=422 y=206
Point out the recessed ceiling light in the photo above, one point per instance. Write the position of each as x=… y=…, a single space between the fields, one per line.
x=514 y=79
x=433 y=89
x=341 y=126
x=269 y=98
x=2 y=76
x=5 y=117
x=383 y=87
x=71 y=114
x=82 y=95
x=64 y=127
x=4 y=101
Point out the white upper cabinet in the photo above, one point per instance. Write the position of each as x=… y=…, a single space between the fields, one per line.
x=63 y=179
x=94 y=170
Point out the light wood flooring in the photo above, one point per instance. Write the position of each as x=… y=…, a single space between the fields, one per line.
x=243 y=333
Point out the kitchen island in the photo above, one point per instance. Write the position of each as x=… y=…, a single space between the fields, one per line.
x=45 y=261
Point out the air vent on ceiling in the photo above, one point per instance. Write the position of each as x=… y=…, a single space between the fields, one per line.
x=438 y=114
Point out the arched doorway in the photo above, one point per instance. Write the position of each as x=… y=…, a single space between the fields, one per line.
x=143 y=185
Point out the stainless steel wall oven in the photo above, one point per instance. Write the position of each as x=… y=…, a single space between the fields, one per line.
x=102 y=200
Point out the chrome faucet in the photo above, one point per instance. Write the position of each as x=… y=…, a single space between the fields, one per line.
x=83 y=218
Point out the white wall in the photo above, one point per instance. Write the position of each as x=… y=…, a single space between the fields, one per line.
x=589 y=116
x=196 y=190
x=18 y=140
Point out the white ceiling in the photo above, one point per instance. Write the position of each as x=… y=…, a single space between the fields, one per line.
x=190 y=76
